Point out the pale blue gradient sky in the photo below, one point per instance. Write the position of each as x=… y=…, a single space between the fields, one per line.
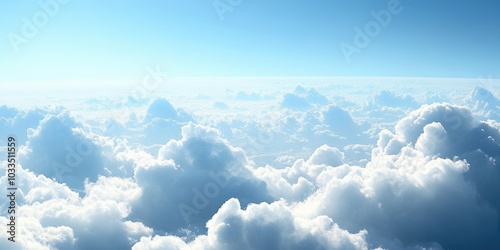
x=116 y=41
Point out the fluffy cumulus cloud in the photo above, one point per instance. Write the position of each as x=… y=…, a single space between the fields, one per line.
x=17 y=122
x=195 y=176
x=424 y=186
x=160 y=123
x=340 y=122
x=298 y=181
x=293 y=101
x=414 y=194
x=60 y=148
x=327 y=155
x=389 y=99
x=484 y=102
x=262 y=226
x=303 y=99
x=51 y=216
x=311 y=170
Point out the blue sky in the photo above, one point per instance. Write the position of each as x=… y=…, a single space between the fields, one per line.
x=117 y=40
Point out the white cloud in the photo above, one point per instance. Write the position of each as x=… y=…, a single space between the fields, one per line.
x=16 y=122
x=406 y=193
x=293 y=101
x=203 y=171
x=341 y=123
x=31 y=235
x=243 y=96
x=51 y=216
x=263 y=226
x=429 y=184
x=313 y=175
x=390 y=99
x=59 y=148
x=330 y=156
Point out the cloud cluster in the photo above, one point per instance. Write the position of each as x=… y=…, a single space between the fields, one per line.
x=60 y=148
x=303 y=99
x=160 y=123
x=243 y=96
x=417 y=193
x=484 y=103
x=194 y=177
x=312 y=173
x=262 y=226
x=51 y=216
x=405 y=197
x=16 y=122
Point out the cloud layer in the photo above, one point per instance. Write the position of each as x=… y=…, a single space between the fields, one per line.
x=312 y=171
